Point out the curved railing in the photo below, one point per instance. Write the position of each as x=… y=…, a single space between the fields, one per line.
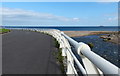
x=91 y=62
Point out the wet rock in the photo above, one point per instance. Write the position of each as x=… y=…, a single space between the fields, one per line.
x=113 y=37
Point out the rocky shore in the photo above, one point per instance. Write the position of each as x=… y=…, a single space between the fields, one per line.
x=111 y=36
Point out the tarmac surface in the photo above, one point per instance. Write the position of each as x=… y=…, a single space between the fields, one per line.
x=25 y=52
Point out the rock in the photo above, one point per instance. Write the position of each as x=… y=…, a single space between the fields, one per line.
x=113 y=37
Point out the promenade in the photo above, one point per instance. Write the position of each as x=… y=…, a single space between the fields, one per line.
x=26 y=52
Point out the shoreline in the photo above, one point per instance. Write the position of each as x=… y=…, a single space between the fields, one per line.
x=86 y=33
x=111 y=36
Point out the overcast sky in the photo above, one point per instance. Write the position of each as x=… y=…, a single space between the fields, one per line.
x=60 y=13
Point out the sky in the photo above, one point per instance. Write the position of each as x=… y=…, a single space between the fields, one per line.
x=60 y=0
x=60 y=13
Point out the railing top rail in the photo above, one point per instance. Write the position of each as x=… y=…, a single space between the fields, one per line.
x=101 y=63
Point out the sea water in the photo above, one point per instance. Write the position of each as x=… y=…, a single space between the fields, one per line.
x=107 y=50
x=72 y=28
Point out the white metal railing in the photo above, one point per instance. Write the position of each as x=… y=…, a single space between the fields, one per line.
x=98 y=62
x=93 y=63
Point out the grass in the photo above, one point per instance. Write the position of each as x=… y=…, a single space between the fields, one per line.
x=60 y=59
x=59 y=56
x=4 y=30
x=57 y=45
x=91 y=45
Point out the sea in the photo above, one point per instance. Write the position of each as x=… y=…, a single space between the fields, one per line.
x=71 y=28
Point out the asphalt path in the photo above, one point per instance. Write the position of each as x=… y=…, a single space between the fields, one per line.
x=25 y=52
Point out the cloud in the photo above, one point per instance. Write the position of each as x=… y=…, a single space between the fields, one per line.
x=76 y=19
x=113 y=19
x=111 y=16
x=20 y=16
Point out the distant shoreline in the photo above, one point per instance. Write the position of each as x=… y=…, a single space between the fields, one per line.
x=70 y=28
x=85 y=33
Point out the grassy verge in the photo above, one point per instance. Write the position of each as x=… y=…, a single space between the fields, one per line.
x=4 y=31
x=60 y=59
x=59 y=56
x=57 y=45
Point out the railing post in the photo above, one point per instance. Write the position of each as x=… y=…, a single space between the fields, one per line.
x=69 y=60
